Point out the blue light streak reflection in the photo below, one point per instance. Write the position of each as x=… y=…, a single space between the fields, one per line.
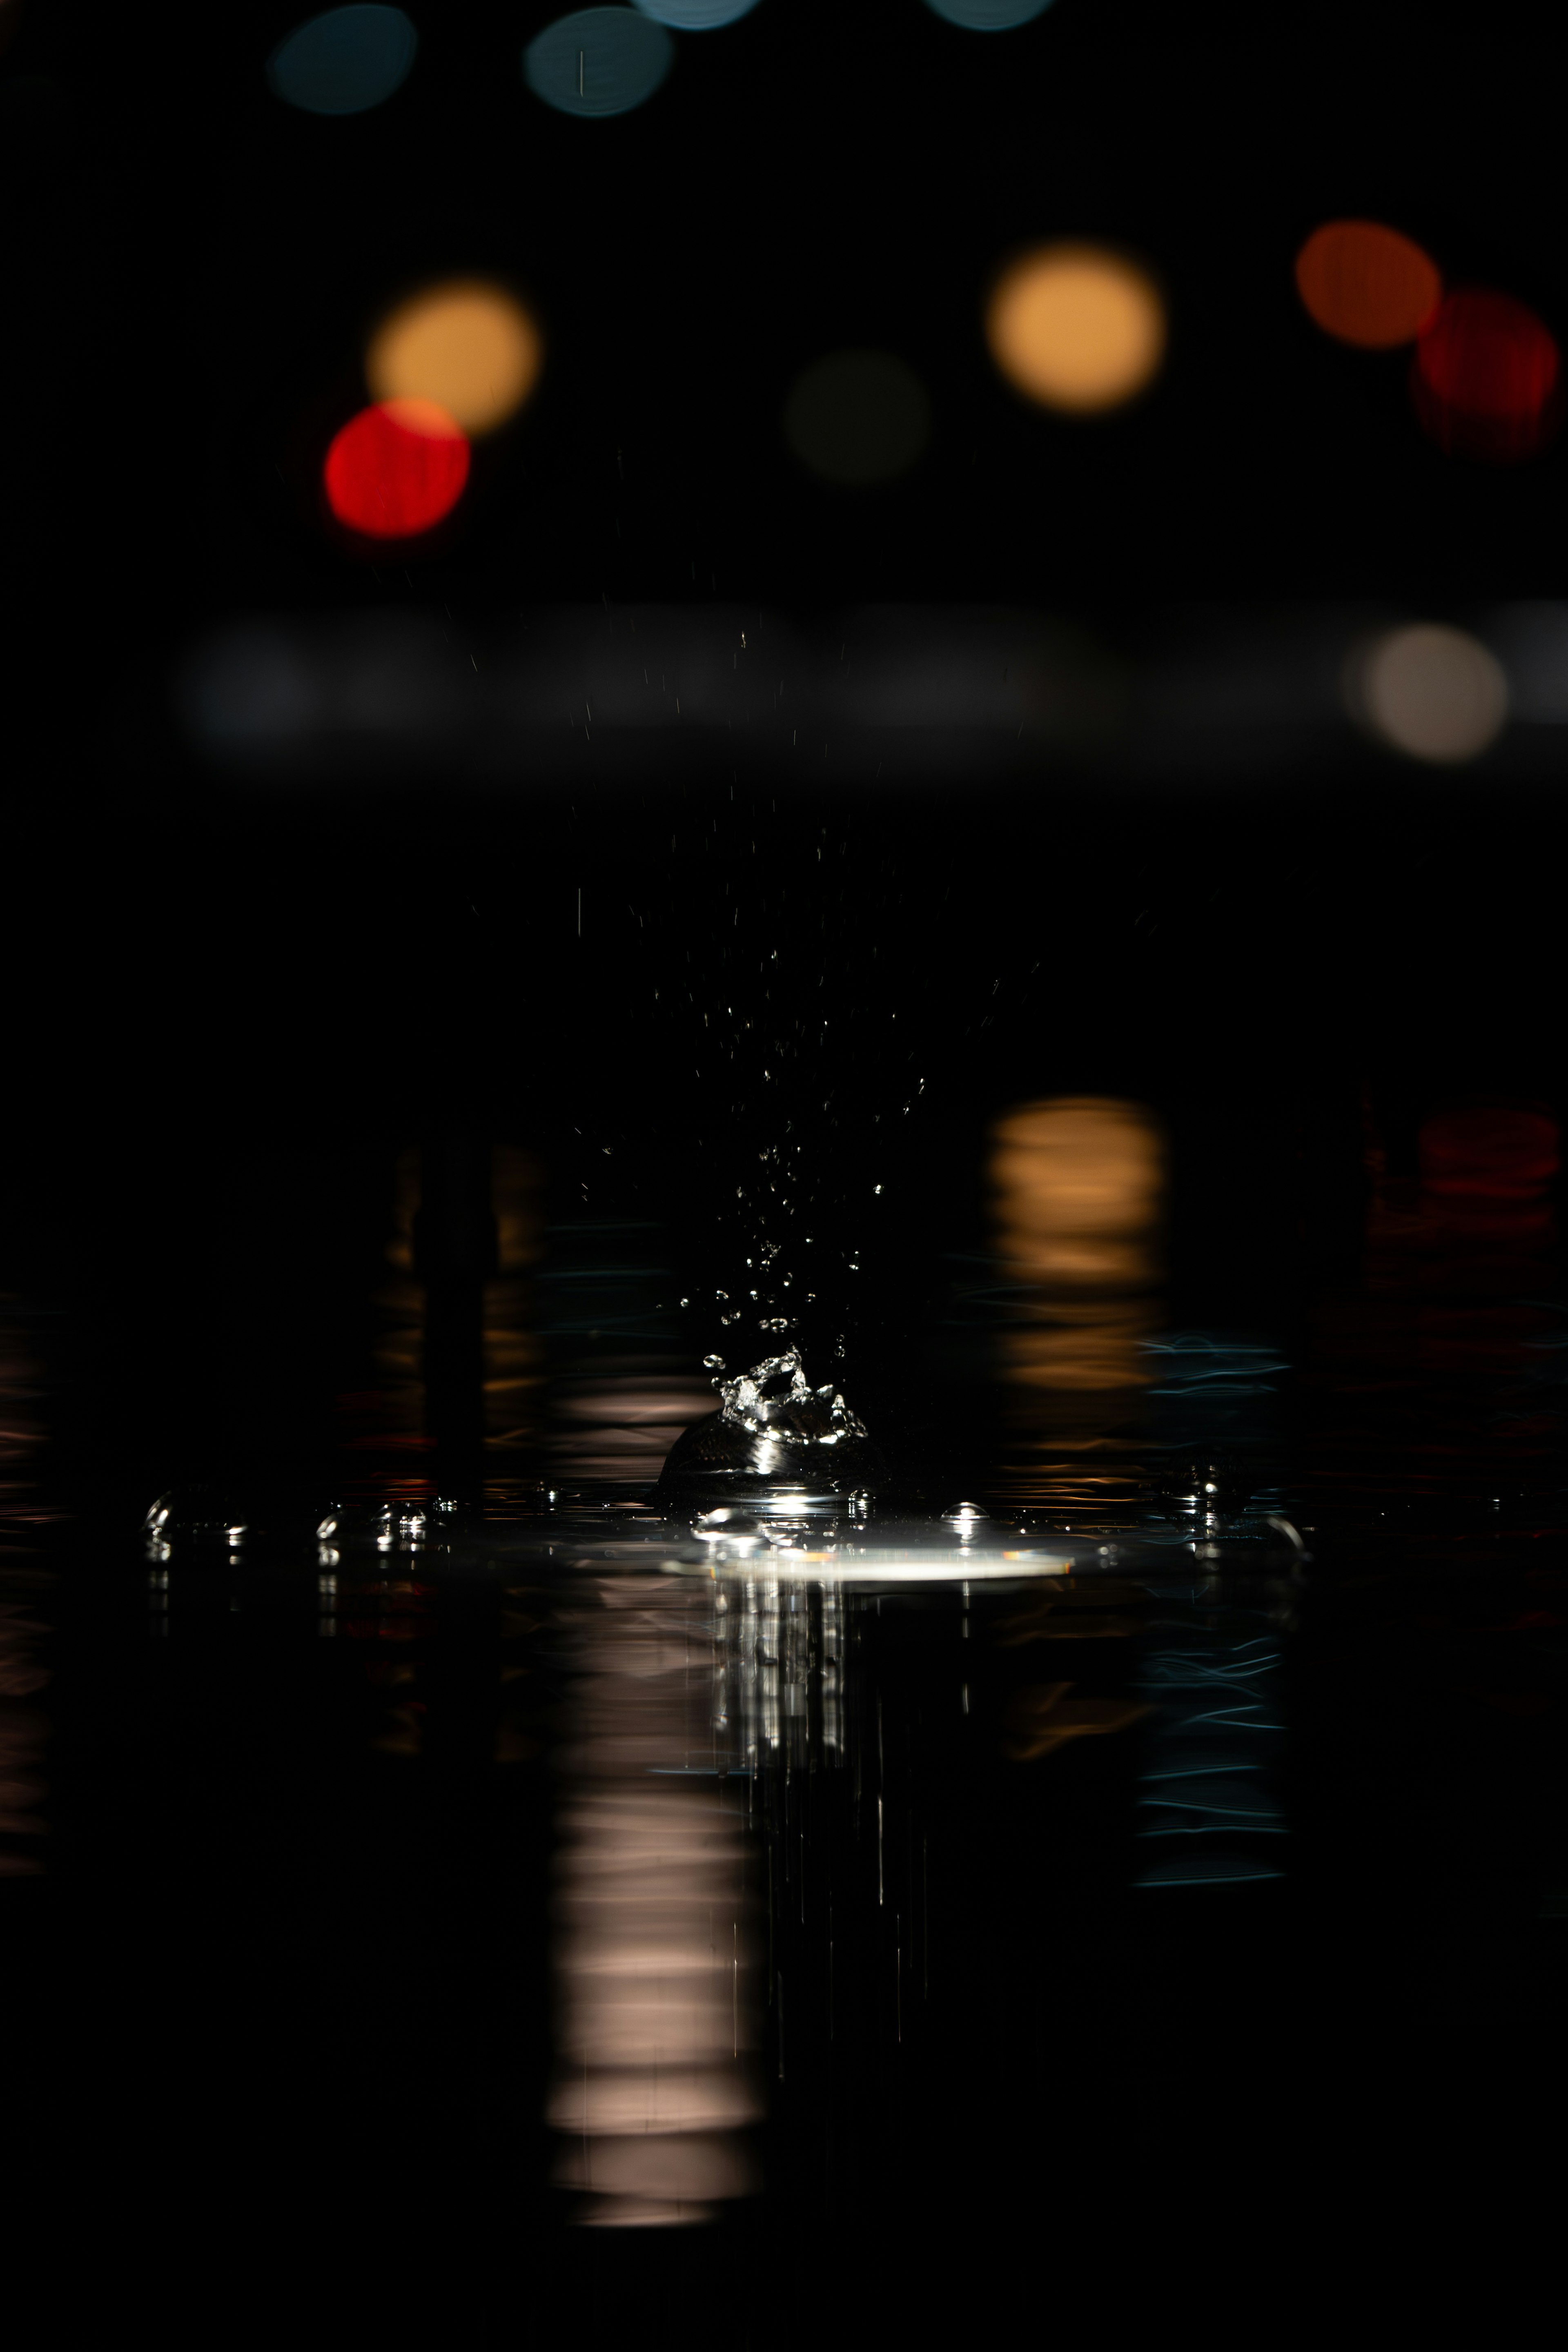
x=1210 y=1771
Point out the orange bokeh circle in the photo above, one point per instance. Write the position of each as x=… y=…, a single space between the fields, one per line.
x=1367 y=284
x=1077 y=327
x=469 y=346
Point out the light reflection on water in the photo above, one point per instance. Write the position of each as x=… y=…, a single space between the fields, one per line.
x=1439 y=1383
x=514 y=1368
x=929 y=1765
x=618 y=1427
x=824 y=1847
x=383 y=1429
x=656 y=2033
x=621 y=1391
x=1109 y=1414
x=1210 y=1799
x=1078 y=1186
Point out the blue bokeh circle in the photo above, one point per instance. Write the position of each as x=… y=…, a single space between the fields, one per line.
x=989 y=16
x=697 y=15
x=344 y=62
x=599 y=61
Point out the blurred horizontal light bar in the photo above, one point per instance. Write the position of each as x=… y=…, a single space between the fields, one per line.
x=1532 y=643
x=878 y=692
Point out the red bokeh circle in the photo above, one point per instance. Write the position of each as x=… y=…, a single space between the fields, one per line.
x=1488 y=377
x=395 y=469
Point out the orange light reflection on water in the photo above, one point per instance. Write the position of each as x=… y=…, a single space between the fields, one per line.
x=1078 y=1187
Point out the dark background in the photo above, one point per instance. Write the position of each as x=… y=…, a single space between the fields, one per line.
x=230 y=1007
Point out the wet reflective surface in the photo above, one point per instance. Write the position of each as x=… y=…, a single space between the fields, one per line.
x=1073 y=1802
x=556 y=1864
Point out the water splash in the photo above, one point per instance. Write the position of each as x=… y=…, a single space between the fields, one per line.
x=775 y=1433
x=775 y=1398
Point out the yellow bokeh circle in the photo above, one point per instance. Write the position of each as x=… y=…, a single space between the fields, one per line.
x=1076 y=327
x=470 y=347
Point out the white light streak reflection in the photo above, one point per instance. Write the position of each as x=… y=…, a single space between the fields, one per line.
x=872 y=1568
x=655 y=2085
x=619 y=1429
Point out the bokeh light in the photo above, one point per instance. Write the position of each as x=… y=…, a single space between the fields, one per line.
x=1367 y=284
x=470 y=347
x=599 y=61
x=697 y=15
x=1076 y=328
x=857 y=417
x=344 y=62
x=1488 y=377
x=1432 y=692
x=655 y=2080
x=396 y=469
x=989 y=16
